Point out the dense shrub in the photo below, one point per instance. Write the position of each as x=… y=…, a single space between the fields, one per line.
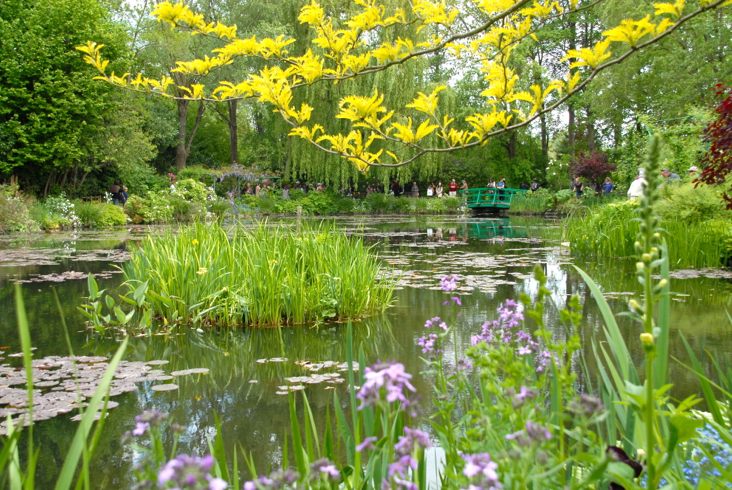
x=153 y=208
x=111 y=215
x=688 y=203
x=14 y=215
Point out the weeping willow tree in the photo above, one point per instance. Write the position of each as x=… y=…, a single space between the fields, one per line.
x=357 y=63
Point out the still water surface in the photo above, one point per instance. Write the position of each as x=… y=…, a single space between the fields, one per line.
x=494 y=259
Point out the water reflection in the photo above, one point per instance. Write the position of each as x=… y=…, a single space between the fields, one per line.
x=494 y=258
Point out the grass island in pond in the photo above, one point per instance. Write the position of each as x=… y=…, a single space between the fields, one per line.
x=264 y=276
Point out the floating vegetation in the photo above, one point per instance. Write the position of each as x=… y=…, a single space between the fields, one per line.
x=61 y=384
x=482 y=271
x=54 y=256
x=64 y=276
x=263 y=276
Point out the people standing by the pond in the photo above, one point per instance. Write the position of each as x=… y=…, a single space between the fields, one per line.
x=464 y=186
x=257 y=190
x=608 y=186
x=431 y=190
x=693 y=171
x=286 y=192
x=453 y=187
x=636 y=188
x=669 y=176
x=579 y=187
x=123 y=195
x=439 y=190
x=114 y=189
x=535 y=186
x=395 y=188
x=415 y=190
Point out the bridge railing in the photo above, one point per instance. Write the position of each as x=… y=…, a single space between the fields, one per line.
x=490 y=197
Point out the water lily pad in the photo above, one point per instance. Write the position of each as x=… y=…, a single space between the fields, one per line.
x=166 y=387
x=157 y=363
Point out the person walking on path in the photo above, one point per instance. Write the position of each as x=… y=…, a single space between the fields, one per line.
x=395 y=188
x=453 y=188
x=415 y=190
x=439 y=190
x=637 y=187
x=535 y=186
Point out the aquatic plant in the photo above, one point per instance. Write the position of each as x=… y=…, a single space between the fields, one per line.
x=611 y=230
x=264 y=276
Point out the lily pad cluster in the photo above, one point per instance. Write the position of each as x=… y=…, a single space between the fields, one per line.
x=62 y=384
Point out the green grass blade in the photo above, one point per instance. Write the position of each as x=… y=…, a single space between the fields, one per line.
x=25 y=342
x=68 y=470
x=664 y=320
x=711 y=400
x=297 y=448
x=617 y=343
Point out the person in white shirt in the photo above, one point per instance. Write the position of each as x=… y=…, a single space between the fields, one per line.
x=636 y=188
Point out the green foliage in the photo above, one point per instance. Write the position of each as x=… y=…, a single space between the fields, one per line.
x=609 y=231
x=191 y=190
x=153 y=208
x=690 y=203
x=264 y=276
x=111 y=215
x=14 y=214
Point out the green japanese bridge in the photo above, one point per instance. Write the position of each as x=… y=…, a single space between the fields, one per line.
x=490 y=199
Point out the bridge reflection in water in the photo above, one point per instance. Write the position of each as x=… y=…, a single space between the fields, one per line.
x=483 y=229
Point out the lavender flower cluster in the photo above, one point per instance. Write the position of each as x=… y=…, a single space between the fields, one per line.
x=481 y=470
x=532 y=433
x=276 y=480
x=405 y=450
x=190 y=473
x=391 y=377
x=430 y=342
x=505 y=330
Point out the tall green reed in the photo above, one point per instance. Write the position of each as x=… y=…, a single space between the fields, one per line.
x=611 y=231
x=264 y=276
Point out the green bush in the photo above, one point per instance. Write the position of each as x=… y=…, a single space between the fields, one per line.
x=182 y=209
x=111 y=215
x=219 y=207
x=153 y=208
x=14 y=213
x=191 y=190
x=689 y=203
x=88 y=213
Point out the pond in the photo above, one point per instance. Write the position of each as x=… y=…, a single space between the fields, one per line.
x=494 y=259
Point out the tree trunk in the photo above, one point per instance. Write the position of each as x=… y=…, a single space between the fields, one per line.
x=48 y=183
x=233 y=134
x=590 y=132
x=180 y=150
x=571 y=129
x=199 y=116
x=544 y=137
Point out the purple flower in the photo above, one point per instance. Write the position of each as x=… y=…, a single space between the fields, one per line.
x=448 y=283
x=482 y=471
x=276 y=480
x=522 y=351
x=587 y=406
x=154 y=418
x=412 y=441
x=432 y=321
x=367 y=443
x=190 y=472
x=390 y=376
x=456 y=300
x=537 y=432
x=324 y=468
x=428 y=343
x=140 y=428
